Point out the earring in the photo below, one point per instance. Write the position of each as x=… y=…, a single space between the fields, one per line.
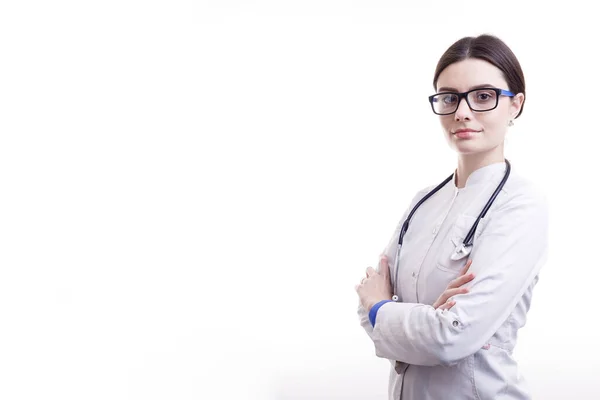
x=511 y=123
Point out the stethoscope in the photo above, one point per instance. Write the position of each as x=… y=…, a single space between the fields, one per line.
x=461 y=250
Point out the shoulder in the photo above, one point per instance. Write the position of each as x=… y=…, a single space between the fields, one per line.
x=520 y=192
x=420 y=194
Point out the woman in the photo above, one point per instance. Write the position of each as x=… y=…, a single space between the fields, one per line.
x=450 y=335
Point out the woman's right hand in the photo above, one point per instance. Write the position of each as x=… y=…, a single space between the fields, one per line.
x=454 y=287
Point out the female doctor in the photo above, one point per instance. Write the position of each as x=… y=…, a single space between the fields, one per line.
x=448 y=334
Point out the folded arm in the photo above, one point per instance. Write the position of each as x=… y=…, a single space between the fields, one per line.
x=506 y=260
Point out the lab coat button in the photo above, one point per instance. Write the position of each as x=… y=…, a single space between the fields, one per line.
x=454 y=323
x=414 y=274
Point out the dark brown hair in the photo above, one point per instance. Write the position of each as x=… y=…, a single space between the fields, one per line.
x=488 y=48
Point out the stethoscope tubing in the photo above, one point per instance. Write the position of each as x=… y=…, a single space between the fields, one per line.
x=468 y=241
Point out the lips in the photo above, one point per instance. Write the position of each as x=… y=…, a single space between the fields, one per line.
x=465 y=133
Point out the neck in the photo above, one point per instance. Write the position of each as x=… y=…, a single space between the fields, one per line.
x=467 y=163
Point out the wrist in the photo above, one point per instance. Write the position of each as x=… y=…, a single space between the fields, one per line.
x=373 y=311
x=372 y=303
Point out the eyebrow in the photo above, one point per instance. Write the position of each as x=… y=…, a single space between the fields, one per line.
x=451 y=89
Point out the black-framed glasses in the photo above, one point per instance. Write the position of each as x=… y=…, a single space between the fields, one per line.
x=478 y=100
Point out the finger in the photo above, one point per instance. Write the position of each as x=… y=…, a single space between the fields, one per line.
x=466 y=267
x=439 y=302
x=461 y=280
x=447 y=305
x=370 y=271
x=384 y=267
x=451 y=292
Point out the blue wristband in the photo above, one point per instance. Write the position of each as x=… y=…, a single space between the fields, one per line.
x=374 y=309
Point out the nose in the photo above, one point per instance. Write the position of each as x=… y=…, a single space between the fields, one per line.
x=463 y=112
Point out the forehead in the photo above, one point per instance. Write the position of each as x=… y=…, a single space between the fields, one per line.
x=467 y=73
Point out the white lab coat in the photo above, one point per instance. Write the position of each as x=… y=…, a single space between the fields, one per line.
x=465 y=352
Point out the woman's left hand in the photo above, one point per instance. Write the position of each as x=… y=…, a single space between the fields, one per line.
x=376 y=286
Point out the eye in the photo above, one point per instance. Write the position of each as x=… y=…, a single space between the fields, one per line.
x=483 y=96
x=449 y=98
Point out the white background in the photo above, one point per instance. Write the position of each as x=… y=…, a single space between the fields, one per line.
x=190 y=190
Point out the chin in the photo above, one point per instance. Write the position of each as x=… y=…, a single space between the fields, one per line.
x=466 y=149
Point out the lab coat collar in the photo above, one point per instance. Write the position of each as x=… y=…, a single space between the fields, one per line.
x=481 y=175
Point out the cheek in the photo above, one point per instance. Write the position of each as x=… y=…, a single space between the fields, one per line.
x=446 y=123
x=493 y=125
x=495 y=122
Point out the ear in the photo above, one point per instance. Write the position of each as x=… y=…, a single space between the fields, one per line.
x=516 y=104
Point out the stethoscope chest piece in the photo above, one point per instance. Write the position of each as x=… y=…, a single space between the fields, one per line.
x=460 y=252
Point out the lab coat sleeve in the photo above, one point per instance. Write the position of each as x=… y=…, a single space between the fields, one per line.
x=389 y=250
x=363 y=314
x=506 y=260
